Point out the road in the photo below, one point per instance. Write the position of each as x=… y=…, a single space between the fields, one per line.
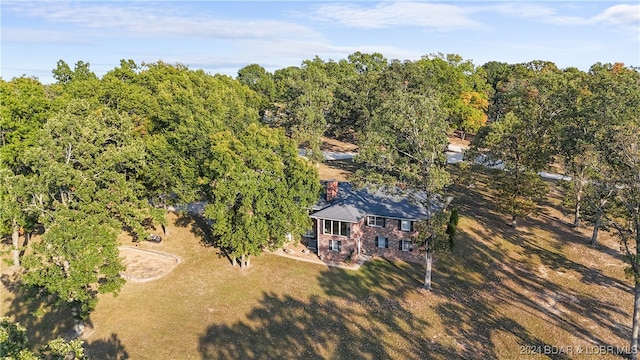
x=454 y=154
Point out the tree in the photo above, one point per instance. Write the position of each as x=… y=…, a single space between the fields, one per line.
x=71 y=85
x=24 y=106
x=625 y=161
x=88 y=159
x=464 y=91
x=259 y=190
x=85 y=169
x=306 y=101
x=434 y=235
x=620 y=93
x=260 y=81
x=357 y=94
x=15 y=345
x=511 y=143
x=76 y=260
x=15 y=216
x=403 y=151
x=167 y=175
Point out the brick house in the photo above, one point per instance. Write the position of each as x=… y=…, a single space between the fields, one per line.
x=349 y=222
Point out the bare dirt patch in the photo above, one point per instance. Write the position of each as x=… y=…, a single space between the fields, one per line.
x=146 y=265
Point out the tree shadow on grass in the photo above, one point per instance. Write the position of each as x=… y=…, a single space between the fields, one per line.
x=485 y=278
x=110 y=349
x=43 y=321
x=364 y=317
x=200 y=227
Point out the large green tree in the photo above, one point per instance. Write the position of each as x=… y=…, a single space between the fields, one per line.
x=463 y=88
x=576 y=140
x=24 y=106
x=76 y=260
x=259 y=191
x=403 y=151
x=15 y=215
x=85 y=190
x=305 y=102
x=509 y=144
x=619 y=93
x=522 y=136
x=357 y=94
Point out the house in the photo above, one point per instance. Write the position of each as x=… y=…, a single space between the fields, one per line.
x=348 y=222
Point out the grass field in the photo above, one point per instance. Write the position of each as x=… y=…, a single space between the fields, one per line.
x=501 y=294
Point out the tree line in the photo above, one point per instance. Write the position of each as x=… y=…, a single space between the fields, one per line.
x=86 y=158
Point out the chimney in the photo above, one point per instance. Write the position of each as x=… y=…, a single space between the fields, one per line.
x=332 y=189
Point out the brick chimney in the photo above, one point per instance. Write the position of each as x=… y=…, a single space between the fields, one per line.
x=332 y=189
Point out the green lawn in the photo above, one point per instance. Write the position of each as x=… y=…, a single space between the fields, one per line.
x=500 y=293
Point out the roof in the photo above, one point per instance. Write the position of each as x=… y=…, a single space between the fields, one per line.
x=352 y=205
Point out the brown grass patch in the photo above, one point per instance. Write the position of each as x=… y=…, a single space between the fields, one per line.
x=330 y=144
x=341 y=170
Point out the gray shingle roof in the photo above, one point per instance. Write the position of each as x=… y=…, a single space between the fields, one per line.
x=353 y=205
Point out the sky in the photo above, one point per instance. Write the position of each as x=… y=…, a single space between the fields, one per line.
x=222 y=37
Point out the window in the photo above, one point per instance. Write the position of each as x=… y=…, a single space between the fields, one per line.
x=406 y=225
x=406 y=245
x=336 y=227
x=309 y=234
x=382 y=242
x=335 y=245
x=375 y=221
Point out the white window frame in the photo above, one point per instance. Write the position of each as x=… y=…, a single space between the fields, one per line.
x=335 y=245
x=374 y=221
x=407 y=245
x=406 y=222
x=336 y=230
x=381 y=240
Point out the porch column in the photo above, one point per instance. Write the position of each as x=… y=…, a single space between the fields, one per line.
x=319 y=223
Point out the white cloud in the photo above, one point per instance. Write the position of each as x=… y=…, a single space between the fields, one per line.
x=620 y=14
x=436 y=16
x=139 y=19
x=26 y=35
x=625 y=16
x=538 y=12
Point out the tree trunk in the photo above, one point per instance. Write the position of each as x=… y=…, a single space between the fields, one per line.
x=234 y=260
x=248 y=261
x=576 y=212
x=580 y=181
x=596 y=228
x=242 y=264
x=15 y=241
x=165 y=230
x=636 y=322
x=428 y=257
